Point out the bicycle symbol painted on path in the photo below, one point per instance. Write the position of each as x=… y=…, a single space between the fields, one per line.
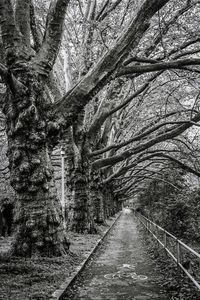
x=126 y=271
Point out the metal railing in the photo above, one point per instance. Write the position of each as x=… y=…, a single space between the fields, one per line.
x=185 y=257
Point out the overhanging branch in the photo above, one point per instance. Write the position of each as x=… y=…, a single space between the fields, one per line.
x=69 y=107
x=136 y=138
x=99 y=120
x=140 y=69
x=144 y=146
x=47 y=55
x=9 y=32
x=121 y=171
x=22 y=17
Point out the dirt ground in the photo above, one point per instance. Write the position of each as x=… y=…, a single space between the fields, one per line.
x=35 y=279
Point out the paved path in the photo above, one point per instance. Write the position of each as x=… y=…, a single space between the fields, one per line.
x=121 y=269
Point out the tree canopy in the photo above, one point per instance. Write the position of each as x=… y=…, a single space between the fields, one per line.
x=116 y=83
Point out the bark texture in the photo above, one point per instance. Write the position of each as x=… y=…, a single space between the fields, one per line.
x=38 y=218
x=81 y=215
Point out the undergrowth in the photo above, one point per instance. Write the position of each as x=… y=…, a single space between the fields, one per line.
x=177 y=285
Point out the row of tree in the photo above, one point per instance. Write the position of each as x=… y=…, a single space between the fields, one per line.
x=116 y=83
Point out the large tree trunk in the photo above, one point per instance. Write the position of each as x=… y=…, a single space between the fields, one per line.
x=96 y=196
x=39 y=225
x=81 y=213
x=82 y=219
x=39 y=220
x=111 y=204
x=67 y=144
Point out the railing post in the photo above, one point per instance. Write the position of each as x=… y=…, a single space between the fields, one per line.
x=178 y=251
x=62 y=152
x=165 y=239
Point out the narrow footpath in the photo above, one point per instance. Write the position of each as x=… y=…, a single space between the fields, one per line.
x=121 y=269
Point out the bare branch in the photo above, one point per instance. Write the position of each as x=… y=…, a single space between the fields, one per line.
x=141 y=60
x=112 y=7
x=22 y=17
x=52 y=38
x=102 y=9
x=9 y=32
x=37 y=36
x=158 y=139
x=145 y=131
x=137 y=137
x=140 y=69
x=181 y=164
x=146 y=177
x=68 y=108
x=124 y=169
x=98 y=122
x=167 y=26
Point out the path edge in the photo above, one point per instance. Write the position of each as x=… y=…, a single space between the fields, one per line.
x=59 y=293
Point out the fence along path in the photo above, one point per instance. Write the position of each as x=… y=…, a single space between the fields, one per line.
x=185 y=257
